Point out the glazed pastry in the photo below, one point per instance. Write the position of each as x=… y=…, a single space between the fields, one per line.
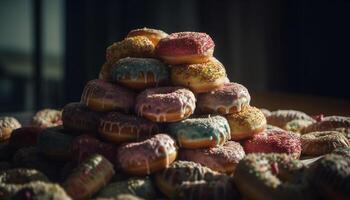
x=297 y=125
x=141 y=187
x=145 y=157
x=78 y=118
x=33 y=190
x=30 y=158
x=99 y=95
x=245 y=124
x=320 y=143
x=228 y=99
x=200 y=78
x=21 y=176
x=165 y=104
x=7 y=125
x=201 y=131
x=24 y=137
x=47 y=118
x=271 y=176
x=185 y=48
x=330 y=177
x=274 y=141
x=89 y=177
x=330 y=123
x=152 y=34
x=265 y=111
x=117 y=127
x=55 y=143
x=183 y=180
x=281 y=117
x=221 y=158
x=84 y=146
x=140 y=73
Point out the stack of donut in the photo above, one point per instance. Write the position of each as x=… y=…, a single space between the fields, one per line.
x=163 y=116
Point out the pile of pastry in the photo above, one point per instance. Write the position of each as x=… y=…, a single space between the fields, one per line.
x=163 y=121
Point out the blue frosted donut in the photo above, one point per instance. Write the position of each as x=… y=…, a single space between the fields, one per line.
x=140 y=73
x=55 y=144
x=201 y=131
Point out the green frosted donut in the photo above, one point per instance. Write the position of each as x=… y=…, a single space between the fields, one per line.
x=141 y=187
x=209 y=128
x=54 y=143
x=134 y=68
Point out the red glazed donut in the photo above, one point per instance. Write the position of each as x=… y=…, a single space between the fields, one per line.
x=221 y=158
x=185 y=47
x=143 y=158
x=165 y=104
x=84 y=146
x=274 y=141
x=230 y=98
x=117 y=127
x=103 y=96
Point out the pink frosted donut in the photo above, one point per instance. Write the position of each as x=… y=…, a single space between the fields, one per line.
x=185 y=48
x=274 y=141
x=221 y=158
x=142 y=158
x=100 y=95
x=165 y=104
x=230 y=98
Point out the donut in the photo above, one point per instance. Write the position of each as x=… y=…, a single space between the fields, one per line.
x=165 y=104
x=100 y=95
x=138 y=47
x=29 y=157
x=185 y=47
x=89 y=177
x=117 y=127
x=7 y=125
x=138 y=186
x=21 y=176
x=145 y=157
x=152 y=34
x=39 y=190
x=200 y=77
x=297 y=125
x=213 y=188
x=78 y=118
x=24 y=137
x=221 y=158
x=105 y=72
x=281 y=117
x=265 y=111
x=330 y=176
x=343 y=151
x=320 y=143
x=140 y=73
x=246 y=123
x=201 y=131
x=274 y=141
x=271 y=176
x=330 y=123
x=180 y=179
x=47 y=118
x=228 y=99
x=55 y=143
x=84 y=146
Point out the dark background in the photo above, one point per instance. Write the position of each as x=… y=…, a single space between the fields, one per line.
x=288 y=46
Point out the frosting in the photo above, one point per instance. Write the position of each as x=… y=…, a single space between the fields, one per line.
x=47 y=118
x=184 y=43
x=120 y=97
x=206 y=127
x=8 y=122
x=215 y=158
x=228 y=96
x=138 y=126
x=141 y=153
x=273 y=141
x=160 y=101
x=338 y=123
x=135 y=67
x=138 y=46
